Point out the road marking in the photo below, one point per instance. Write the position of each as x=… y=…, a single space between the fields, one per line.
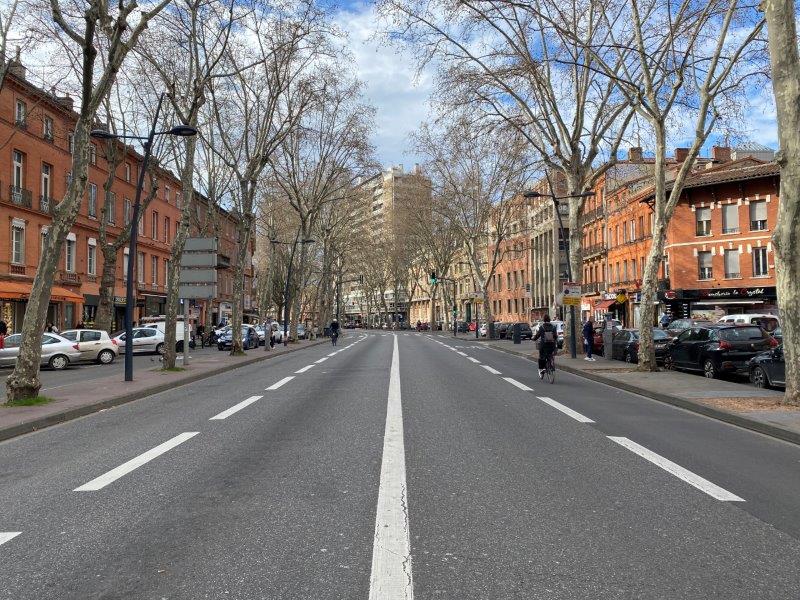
x=100 y=482
x=491 y=370
x=282 y=382
x=391 y=548
x=566 y=410
x=475 y=360
x=304 y=369
x=337 y=352
x=7 y=536
x=321 y=360
x=516 y=383
x=704 y=485
x=235 y=408
x=461 y=353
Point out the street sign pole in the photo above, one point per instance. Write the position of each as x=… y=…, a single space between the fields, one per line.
x=185 y=332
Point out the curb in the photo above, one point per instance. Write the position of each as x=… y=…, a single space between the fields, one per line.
x=81 y=411
x=781 y=433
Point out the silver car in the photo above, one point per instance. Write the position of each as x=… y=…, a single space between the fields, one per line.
x=57 y=352
x=95 y=345
x=145 y=339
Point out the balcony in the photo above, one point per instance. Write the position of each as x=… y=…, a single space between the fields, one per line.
x=594 y=250
x=20 y=196
x=69 y=278
x=592 y=215
x=16 y=269
x=596 y=287
x=46 y=205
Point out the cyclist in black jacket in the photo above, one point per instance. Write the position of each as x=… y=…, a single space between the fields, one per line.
x=547 y=335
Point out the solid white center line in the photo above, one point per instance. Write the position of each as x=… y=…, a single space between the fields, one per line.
x=6 y=536
x=281 y=383
x=337 y=352
x=304 y=369
x=321 y=360
x=491 y=370
x=700 y=483
x=391 y=549
x=100 y=482
x=566 y=410
x=235 y=408
x=475 y=360
x=521 y=386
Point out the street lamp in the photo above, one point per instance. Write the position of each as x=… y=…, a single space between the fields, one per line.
x=147 y=144
x=288 y=279
x=555 y=199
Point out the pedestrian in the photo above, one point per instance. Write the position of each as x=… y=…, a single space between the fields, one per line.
x=664 y=320
x=588 y=337
x=51 y=328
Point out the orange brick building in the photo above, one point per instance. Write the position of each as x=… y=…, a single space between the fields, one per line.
x=35 y=162
x=509 y=288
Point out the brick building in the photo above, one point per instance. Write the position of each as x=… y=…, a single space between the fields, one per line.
x=35 y=164
x=509 y=289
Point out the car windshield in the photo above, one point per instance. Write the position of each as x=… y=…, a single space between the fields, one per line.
x=743 y=334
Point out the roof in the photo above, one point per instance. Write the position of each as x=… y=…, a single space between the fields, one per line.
x=753 y=147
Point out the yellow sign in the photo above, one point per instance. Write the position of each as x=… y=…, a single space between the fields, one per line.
x=621 y=298
x=571 y=300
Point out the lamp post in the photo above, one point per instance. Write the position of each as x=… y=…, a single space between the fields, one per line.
x=288 y=280
x=555 y=199
x=147 y=144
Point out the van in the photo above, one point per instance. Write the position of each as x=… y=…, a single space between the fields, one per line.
x=162 y=327
x=767 y=322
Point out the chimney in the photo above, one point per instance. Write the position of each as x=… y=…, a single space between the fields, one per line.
x=635 y=155
x=66 y=102
x=720 y=154
x=16 y=68
x=681 y=154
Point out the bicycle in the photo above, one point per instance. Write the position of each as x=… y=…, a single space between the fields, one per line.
x=334 y=338
x=550 y=368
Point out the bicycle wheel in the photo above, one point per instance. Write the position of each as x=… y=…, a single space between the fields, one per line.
x=550 y=372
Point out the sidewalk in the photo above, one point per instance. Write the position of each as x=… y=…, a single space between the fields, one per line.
x=82 y=398
x=727 y=400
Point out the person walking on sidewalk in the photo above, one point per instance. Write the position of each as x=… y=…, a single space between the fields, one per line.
x=588 y=337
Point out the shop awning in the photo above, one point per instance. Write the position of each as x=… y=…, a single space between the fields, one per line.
x=17 y=290
x=604 y=304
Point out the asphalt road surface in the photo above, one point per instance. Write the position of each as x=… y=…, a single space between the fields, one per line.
x=402 y=465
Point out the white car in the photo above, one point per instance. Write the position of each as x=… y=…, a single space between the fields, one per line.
x=57 y=352
x=94 y=345
x=145 y=339
x=483 y=330
x=765 y=321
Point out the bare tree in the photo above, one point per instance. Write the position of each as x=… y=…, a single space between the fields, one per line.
x=781 y=19
x=87 y=27
x=8 y=19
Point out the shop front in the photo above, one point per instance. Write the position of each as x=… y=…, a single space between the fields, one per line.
x=715 y=303
x=154 y=304
x=64 y=306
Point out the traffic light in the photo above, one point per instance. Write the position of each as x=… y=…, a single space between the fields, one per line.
x=433 y=278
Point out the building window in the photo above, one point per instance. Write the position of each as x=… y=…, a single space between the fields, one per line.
x=140 y=267
x=732 y=264
x=47 y=128
x=140 y=225
x=70 y=255
x=127 y=172
x=166 y=194
x=704 y=265
x=508 y=282
x=126 y=208
x=665 y=261
x=633 y=230
x=111 y=207
x=508 y=305
x=91 y=258
x=92 y=207
x=125 y=265
x=760 y=266
x=516 y=305
x=93 y=154
x=633 y=269
x=154 y=226
x=625 y=270
x=730 y=218
x=71 y=142
x=166 y=271
x=18 y=242
x=166 y=230
x=758 y=215
x=154 y=270
x=18 y=173
x=703 y=220
x=21 y=114
x=641 y=226
x=46 y=173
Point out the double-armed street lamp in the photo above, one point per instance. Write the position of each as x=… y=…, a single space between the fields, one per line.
x=555 y=199
x=147 y=144
x=293 y=244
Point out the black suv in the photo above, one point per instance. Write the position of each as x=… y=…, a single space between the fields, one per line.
x=768 y=369
x=717 y=349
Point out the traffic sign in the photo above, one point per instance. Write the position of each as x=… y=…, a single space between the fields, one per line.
x=572 y=293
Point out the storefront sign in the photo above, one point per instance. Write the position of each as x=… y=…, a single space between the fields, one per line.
x=119 y=300
x=719 y=293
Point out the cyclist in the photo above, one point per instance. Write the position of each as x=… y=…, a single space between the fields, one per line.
x=334 y=331
x=547 y=336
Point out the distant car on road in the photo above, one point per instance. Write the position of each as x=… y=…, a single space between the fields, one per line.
x=145 y=339
x=768 y=369
x=94 y=344
x=57 y=352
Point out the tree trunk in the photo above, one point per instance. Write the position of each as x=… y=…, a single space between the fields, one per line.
x=108 y=279
x=237 y=316
x=24 y=380
x=780 y=15
x=296 y=309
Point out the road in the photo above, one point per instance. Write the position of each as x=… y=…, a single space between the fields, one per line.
x=402 y=465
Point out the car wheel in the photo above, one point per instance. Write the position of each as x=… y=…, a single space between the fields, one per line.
x=627 y=357
x=759 y=378
x=709 y=369
x=106 y=357
x=668 y=364
x=220 y=347
x=160 y=348
x=179 y=346
x=59 y=362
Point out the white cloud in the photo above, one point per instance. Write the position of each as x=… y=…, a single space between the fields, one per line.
x=392 y=86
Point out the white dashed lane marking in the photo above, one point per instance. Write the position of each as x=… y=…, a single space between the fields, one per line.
x=235 y=408
x=282 y=382
x=516 y=383
x=491 y=370
x=7 y=536
x=304 y=369
x=566 y=410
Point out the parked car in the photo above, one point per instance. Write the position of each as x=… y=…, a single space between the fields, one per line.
x=767 y=369
x=500 y=329
x=678 y=326
x=473 y=326
x=625 y=345
x=57 y=352
x=463 y=327
x=261 y=332
x=716 y=349
x=94 y=345
x=301 y=331
x=597 y=340
x=162 y=325
x=777 y=333
x=767 y=322
x=249 y=339
x=483 y=330
x=145 y=339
